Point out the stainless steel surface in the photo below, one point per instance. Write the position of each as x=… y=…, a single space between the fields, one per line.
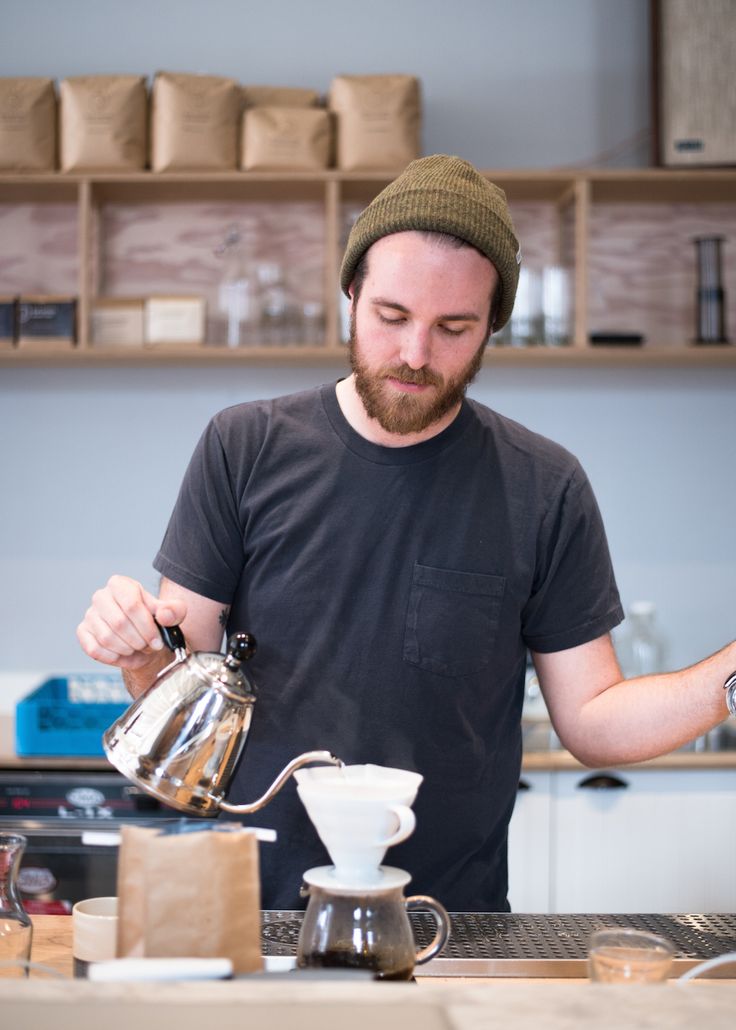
x=308 y=758
x=511 y=944
x=730 y=688
x=182 y=739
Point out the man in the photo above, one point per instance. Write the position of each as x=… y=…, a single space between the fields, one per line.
x=396 y=549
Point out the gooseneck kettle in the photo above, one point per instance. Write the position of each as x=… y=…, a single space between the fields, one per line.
x=182 y=738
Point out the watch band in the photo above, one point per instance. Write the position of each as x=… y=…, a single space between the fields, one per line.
x=730 y=687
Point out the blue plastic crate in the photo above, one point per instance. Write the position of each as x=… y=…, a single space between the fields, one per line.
x=66 y=716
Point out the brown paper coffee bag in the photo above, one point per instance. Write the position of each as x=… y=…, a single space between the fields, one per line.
x=378 y=120
x=103 y=123
x=293 y=138
x=131 y=890
x=27 y=125
x=195 y=895
x=279 y=96
x=194 y=122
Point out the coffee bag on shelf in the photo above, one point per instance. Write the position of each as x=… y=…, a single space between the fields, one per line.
x=27 y=125
x=103 y=123
x=378 y=120
x=194 y=122
x=285 y=138
x=280 y=96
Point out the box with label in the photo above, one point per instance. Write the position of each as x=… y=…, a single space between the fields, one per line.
x=67 y=715
x=117 y=322
x=47 y=322
x=7 y=322
x=178 y=321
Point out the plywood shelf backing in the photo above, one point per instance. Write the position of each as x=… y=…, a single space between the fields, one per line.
x=626 y=235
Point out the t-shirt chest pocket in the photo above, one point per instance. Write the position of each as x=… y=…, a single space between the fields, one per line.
x=452 y=620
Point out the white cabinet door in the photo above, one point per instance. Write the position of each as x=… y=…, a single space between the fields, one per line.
x=529 y=844
x=644 y=841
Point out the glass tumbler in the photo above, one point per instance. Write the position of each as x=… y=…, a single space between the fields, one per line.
x=621 y=955
x=16 y=929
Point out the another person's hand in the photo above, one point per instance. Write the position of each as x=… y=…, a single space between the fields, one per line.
x=119 y=629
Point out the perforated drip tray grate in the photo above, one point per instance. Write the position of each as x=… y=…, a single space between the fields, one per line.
x=500 y=944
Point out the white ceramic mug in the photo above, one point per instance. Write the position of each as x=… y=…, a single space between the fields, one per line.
x=94 y=932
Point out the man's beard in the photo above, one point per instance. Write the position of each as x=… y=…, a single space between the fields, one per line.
x=405 y=413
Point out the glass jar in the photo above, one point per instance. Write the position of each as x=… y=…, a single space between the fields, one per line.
x=16 y=929
x=365 y=927
x=279 y=321
x=640 y=645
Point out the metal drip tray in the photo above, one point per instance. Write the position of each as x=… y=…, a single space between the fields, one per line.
x=501 y=944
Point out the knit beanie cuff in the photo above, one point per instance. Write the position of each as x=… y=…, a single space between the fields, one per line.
x=442 y=194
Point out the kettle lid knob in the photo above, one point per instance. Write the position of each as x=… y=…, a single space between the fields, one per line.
x=240 y=647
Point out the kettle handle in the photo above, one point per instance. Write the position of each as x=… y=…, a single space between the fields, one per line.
x=240 y=646
x=172 y=636
x=442 y=918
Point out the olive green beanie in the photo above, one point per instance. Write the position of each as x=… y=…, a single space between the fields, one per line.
x=442 y=194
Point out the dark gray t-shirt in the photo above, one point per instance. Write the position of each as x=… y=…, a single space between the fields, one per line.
x=393 y=593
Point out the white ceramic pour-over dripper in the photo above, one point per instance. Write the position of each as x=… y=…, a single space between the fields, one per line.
x=359 y=811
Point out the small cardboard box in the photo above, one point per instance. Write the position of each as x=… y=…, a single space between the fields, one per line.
x=175 y=321
x=47 y=322
x=7 y=322
x=117 y=322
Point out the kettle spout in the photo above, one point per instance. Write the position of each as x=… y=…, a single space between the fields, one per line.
x=309 y=757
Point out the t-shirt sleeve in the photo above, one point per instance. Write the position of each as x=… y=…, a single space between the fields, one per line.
x=574 y=597
x=202 y=548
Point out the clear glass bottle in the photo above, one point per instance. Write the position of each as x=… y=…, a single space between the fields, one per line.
x=641 y=646
x=16 y=929
x=527 y=326
x=279 y=321
x=312 y=330
x=238 y=298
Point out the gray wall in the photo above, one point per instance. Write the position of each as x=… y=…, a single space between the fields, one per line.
x=506 y=83
x=91 y=459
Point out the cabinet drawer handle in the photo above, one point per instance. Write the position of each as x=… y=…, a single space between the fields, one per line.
x=603 y=781
x=523 y=785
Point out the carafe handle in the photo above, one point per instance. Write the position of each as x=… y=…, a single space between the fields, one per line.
x=419 y=901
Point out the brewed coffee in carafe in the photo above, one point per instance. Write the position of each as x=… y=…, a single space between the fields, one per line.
x=356 y=917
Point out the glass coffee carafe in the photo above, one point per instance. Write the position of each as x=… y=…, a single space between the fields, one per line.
x=356 y=916
x=365 y=928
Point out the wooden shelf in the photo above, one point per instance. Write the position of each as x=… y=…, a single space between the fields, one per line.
x=519 y=357
x=626 y=234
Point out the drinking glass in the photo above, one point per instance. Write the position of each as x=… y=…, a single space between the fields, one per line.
x=622 y=955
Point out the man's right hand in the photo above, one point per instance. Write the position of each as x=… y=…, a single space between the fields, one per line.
x=119 y=629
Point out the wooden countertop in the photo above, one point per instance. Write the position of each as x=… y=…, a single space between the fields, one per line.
x=541 y=760
x=556 y=760
x=37 y=1004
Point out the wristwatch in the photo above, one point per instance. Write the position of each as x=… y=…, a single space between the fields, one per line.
x=730 y=687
